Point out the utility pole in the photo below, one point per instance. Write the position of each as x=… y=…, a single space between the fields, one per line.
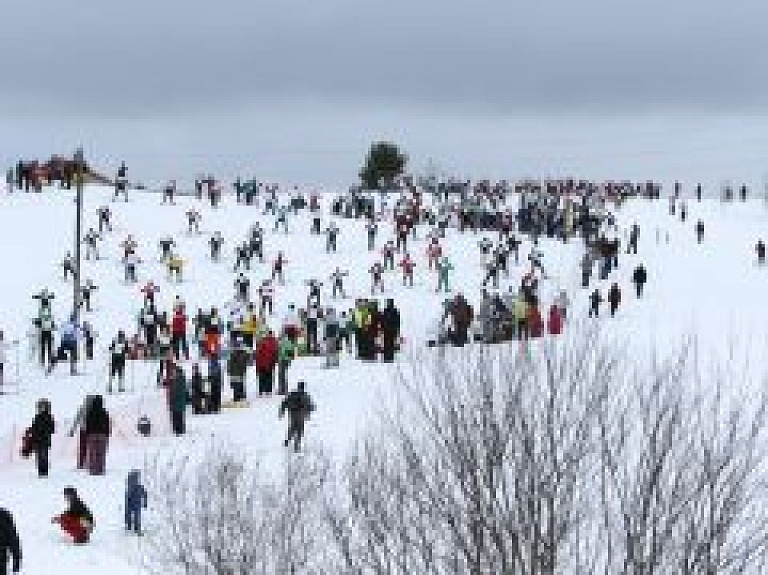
x=79 y=180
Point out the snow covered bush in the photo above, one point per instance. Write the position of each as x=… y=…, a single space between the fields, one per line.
x=215 y=514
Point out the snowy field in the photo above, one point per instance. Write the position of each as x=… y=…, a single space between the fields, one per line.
x=714 y=290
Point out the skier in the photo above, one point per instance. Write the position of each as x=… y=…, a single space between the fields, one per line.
x=299 y=406
x=193 y=221
x=594 y=303
x=135 y=500
x=314 y=291
x=46 y=325
x=332 y=232
x=266 y=296
x=256 y=241
x=166 y=248
x=168 y=192
x=242 y=288
x=282 y=218
x=77 y=520
x=388 y=251
x=237 y=368
x=105 y=219
x=68 y=266
x=129 y=246
x=121 y=183
x=179 y=342
x=89 y=336
x=371 y=229
x=614 y=298
x=45 y=297
x=175 y=265
x=70 y=334
x=760 y=249
x=434 y=252
x=91 y=246
x=699 y=231
x=86 y=290
x=129 y=263
x=444 y=268
x=215 y=242
x=639 y=277
x=491 y=274
x=390 y=330
x=337 y=283
x=9 y=543
x=407 y=266
x=149 y=290
x=243 y=254
x=377 y=272
x=277 y=268
x=118 y=351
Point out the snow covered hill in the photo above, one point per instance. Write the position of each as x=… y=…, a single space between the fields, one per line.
x=714 y=290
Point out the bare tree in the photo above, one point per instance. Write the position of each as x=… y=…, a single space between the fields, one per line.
x=573 y=460
x=214 y=513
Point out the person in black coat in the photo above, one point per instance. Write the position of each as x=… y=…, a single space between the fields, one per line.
x=639 y=277
x=390 y=329
x=41 y=430
x=299 y=406
x=9 y=543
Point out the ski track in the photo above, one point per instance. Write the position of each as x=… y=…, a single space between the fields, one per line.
x=713 y=290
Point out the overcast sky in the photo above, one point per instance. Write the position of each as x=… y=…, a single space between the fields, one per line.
x=176 y=84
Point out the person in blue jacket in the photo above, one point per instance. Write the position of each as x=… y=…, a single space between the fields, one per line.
x=135 y=501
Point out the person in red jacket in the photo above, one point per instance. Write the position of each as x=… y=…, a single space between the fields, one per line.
x=265 y=360
x=555 y=323
x=179 y=334
x=535 y=323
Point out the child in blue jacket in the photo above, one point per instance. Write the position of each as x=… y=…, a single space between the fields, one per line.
x=135 y=500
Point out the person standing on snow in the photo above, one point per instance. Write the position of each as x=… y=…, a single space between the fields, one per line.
x=215 y=242
x=407 y=266
x=177 y=401
x=444 y=268
x=299 y=406
x=699 y=231
x=265 y=361
x=377 y=274
x=70 y=334
x=614 y=298
x=337 y=283
x=639 y=277
x=91 y=244
x=237 y=368
x=118 y=352
x=332 y=232
x=760 y=249
x=594 y=303
x=135 y=501
x=390 y=330
x=41 y=431
x=242 y=288
x=10 y=545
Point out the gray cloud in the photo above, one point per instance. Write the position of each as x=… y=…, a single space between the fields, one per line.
x=172 y=58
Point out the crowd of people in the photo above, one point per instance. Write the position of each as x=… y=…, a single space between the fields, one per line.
x=196 y=353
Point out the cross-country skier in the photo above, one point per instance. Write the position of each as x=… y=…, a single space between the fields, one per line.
x=407 y=265
x=434 y=252
x=266 y=296
x=148 y=291
x=91 y=244
x=760 y=249
x=129 y=246
x=166 y=248
x=86 y=290
x=118 y=352
x=242 y=288
x=699 y=231
x=444 y=268
x=614 y=298
x=639 y=277
x=168 y=192
x=377 y=273
x=175 y=265
x=388 y=251
x=68 y=265
x=332 y=232
x=45 y=297
x=215 y=243
x=314 y=291
x=371 y=229
x=243 y=255
x=256 y=240
x=278 y=268
x=130 y=262
x=337 y=283
x=193 y=221
x=105 y=217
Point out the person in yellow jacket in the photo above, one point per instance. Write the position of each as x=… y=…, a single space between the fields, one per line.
x=249 y=326
x=175 y=266
x=520 y=316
